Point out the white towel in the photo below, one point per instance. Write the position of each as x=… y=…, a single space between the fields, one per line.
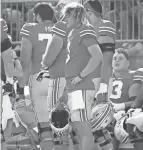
x=76 y=101
x=7 y=112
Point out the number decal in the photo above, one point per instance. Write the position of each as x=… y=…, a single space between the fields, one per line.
x=44 y=36
x=117 y=90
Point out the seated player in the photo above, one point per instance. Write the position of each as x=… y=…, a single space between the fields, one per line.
x=124 y=85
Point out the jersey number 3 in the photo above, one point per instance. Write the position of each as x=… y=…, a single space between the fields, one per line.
x=117 y=90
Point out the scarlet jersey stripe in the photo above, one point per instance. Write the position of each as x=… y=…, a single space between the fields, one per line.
x=5 y=28
x=24 y=32
x=88 y=32
x=105 y=29
x=58 y=31
x=138 y=78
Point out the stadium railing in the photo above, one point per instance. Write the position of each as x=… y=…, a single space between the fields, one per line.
x=127 y=16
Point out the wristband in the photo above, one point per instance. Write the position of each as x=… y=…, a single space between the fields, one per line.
x=19 y=90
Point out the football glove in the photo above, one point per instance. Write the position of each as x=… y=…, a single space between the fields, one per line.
x=44 y=73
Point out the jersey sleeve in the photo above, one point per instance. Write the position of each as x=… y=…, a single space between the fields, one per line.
x=4 y=30
x=88 y=32
x=107 y=28
x=60 y=29
x=26 y=31
x=138 y=75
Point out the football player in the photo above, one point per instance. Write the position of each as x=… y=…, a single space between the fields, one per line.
x=10 y=66
x=106 y=36
x=54 y=58
x=83 y=65
x=125 y=84
x=35 y=37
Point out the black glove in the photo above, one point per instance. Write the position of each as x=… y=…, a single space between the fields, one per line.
x=19 y=90
x=43 y=74
x=8 y=87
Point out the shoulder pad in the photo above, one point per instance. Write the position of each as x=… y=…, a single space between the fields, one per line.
x=60 y=28
x=87 y=30
x=26 y=29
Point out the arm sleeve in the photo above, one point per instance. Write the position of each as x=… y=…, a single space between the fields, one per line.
x=60 y=29
x=107 y=28
x=4 y=30
x=88 y=36
x=138 y=75
x=26 y=31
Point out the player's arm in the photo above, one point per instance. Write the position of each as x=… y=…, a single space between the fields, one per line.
x=133 y=93
x=55 y=45
x=26 y=55
x=25 y=59
x=138 y=102
x=106 y=40
x=12 y=64
x=89 y=40
x=133 y=51
x=52 y=51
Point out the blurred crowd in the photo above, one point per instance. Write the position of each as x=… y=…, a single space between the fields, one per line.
x=127 y=15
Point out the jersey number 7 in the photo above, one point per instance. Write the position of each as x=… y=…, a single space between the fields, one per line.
x=44 y=36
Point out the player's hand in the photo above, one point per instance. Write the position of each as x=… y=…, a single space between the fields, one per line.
x=43 y=74
x=7 y=87
x=118 y=107
x=101 y=98
x=76 y=80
